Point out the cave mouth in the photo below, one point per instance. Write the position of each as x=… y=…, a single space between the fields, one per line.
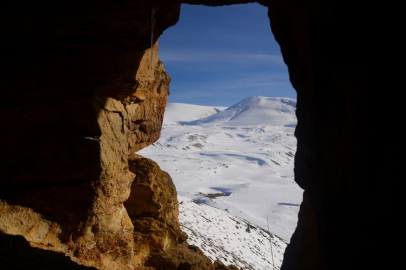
x=217 y=57
x=59 y=64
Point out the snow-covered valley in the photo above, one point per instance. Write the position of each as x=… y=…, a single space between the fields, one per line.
x=233 y=170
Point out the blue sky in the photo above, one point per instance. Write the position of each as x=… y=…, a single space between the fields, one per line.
x=218 y=56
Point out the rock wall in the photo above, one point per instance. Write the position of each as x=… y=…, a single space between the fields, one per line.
x=343 y=157
x=79 y=95
x=82 y=90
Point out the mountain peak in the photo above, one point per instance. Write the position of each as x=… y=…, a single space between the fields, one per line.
x=254 y=111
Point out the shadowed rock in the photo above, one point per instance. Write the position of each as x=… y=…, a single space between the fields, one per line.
x=17 y=254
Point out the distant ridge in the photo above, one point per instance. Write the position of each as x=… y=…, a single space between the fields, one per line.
x=176 y=113
x=253 y=111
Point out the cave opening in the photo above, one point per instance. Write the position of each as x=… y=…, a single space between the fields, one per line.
x=70 y=116
x=219 y=59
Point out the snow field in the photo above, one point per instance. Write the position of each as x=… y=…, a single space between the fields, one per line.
x=233 y=241
x=238 y=160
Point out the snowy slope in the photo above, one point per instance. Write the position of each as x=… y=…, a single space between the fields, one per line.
x=176 y=113
x=238 y=160
x=224 y=237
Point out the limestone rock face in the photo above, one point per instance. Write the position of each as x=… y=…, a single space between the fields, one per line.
x=71 y=184
x=153 y=208
x=152 y=84
x=17 y=254
x=81 y=212
x=185 y=258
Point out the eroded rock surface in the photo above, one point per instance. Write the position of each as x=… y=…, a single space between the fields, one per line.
x=154 y=209
x=71 y=184
x=81 y=213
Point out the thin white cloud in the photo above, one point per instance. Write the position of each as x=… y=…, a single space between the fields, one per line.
x=220 y=57
x=252 y=83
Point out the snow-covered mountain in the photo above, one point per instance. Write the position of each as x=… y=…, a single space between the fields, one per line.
x=253 y=111
x=176 y=113
x=238 y=160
